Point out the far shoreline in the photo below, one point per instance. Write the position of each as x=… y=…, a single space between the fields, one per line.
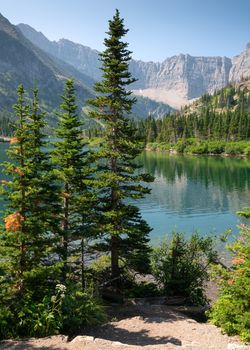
x=224 y=155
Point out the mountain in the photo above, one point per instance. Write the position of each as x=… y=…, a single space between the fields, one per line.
x=241 y=65
x=23 y=62
x=86 y=63
x=83 y=58
x=181 y=78
x=235 y=97
x=177 y=81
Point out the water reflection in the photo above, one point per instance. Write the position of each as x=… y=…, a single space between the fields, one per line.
x=190 y=192
x=193 y=192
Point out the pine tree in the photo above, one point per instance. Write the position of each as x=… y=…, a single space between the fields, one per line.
x=124 y=231
x=27 y=240
x=74 y=174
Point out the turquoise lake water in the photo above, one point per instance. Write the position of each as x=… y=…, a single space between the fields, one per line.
x=195 y=193
x=191 y=192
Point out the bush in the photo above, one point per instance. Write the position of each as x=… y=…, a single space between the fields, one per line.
x=201 y=148
x=143 y=290
x=216 y=147
x=234 y=148
x=181 y=266
x=232 y=309
x=247 y=151
x=180 y=146
x=68 y=309
x=81 y=309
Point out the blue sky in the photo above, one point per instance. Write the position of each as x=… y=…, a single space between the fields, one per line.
x=158 y=28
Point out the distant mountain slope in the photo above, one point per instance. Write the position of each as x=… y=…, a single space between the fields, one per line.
x=235 y=96
x=85 y=61
x=176 y=81
x=22 y=62
x=79 y=56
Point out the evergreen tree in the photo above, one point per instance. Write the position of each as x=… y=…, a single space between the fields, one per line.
x=73 y=171
x=124 y=231
x=27 y=240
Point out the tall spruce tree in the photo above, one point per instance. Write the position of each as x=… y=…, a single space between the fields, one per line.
x=27 y=239
x=125 y=233
x=74 y=173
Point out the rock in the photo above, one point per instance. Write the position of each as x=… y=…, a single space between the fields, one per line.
x=241 y=65
x=83 y=338
x=175 y=81
x=234 y=346
x=117 y=343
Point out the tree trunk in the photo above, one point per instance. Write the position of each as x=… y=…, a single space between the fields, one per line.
x=82 y=265
x=115 y=262
x=65 y=227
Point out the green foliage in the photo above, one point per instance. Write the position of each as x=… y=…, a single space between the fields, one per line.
x=181 y=266
x=81 y=309
x=67 y=310
x=215 y=147
x=74 y=174
x=124 y=232
x=231 y=310
x=196 y=146
x=27 y=238
x=223 y=116
x=143 y=290
x=6 y=123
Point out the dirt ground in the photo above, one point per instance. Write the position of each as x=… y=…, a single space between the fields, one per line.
x=148 y=327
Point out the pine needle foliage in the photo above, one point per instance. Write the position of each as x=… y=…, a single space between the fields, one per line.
x=124 y=231
x=27 y=237
x=72 y=159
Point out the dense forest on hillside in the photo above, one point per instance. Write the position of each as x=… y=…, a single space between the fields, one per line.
x=210 y=125
x=222 y=116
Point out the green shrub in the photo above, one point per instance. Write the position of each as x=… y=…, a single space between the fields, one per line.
x=234 y=148
x=80 y=309
x=232 y=309
x=247 y=151
x=164 y=146
x=201 y=148
x=152 y=146
x=181 y=266
x=180 y=146
x=143 y=290
x=216 y=147
x=67 y=310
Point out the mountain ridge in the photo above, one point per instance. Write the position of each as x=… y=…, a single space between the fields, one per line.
x=177 y=80
x=23 y=62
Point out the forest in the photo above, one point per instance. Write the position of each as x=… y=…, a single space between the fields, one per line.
x=71 y=242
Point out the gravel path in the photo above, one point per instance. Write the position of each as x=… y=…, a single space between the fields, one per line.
x=148 y=327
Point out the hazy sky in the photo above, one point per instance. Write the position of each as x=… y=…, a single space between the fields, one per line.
x=158 y=28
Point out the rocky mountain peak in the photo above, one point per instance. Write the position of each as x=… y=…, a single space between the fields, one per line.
x=176 y=81
x=248 y=46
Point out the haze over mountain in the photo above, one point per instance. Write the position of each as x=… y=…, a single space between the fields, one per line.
x=23 y=62
x=175 y=81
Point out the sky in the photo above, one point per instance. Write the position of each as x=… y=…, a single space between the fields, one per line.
x=157 y=28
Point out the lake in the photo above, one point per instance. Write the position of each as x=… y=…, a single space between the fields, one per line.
x=191 y=192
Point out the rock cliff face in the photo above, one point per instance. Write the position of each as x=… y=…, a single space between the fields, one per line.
x=34 y=60
x=180 y=78
x=241 y=65
x=193 y=75
x=176 y=81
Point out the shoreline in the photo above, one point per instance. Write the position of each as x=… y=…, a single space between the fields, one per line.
x=4 y=139
x=176 y=153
